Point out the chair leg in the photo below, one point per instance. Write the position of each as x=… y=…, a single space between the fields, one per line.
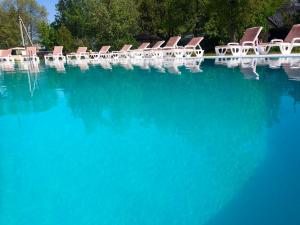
x=263 y=50
x=199 y=53
x=188 y=54
x=178 y=53
x=236 y=50
x=286 y=49
x=256 y=50
x=244 y=51
x=221 y=51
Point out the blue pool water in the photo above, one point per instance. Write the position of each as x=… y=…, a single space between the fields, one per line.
x=216 y=144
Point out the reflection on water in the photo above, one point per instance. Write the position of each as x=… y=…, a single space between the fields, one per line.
x=58 y=65
x=169 y=65
x=31 y=67
x=248 y=66
x=122 y=144
x=7 y=66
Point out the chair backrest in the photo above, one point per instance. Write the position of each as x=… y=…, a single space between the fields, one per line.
x=294 y=33
x=251 y=35
x=194 y=42
x=158 y=44
x=143 y=46
x=126 y=48
x=31 y=51
x=81 y=50
x=104 y=49
x=5 y=53
x=172 y=42
x=58 y=50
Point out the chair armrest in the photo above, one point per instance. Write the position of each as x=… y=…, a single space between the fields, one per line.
x=276 y=41
x=295 y=40
x=136 y=50
x=60 y=54
x=233 y=43
x=248 y=43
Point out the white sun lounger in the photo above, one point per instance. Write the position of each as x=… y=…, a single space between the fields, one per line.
x=102 y=54
x=192 y=48
x=5 y=55
x=249 y=41
x=56 y=55
x=31 y=55
x=139 y=52
x=81 y=53
x=123 y=53
x=168 y=49
x=154 y=52
x=286 y=46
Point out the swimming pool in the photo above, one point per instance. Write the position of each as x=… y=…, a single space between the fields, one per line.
x=165 y=142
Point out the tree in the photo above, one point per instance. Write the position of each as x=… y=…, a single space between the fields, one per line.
x=30 y=11
x=96 y=22
x=229 y=18
x=9 y=32
x=168 y=17
x=65 y=38
x=115 y=22
x=47 y=35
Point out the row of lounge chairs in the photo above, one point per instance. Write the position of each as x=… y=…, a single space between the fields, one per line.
x=30 y=55
x=171 y=49
x=250 y=41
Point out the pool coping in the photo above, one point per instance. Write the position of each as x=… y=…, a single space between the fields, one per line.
x=252 y=56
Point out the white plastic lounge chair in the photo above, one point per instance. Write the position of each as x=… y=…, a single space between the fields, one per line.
x=30 y=55
x=81 y=53
x=102 y=54
x=192 y=48
x=5 y=56
x=56 y=55
x=168 y=50
x=153 y=51
x=286 y=46
x=139 y=52
x=248 y=41
x=123 y=53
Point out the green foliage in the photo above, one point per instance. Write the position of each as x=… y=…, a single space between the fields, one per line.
x=221 y=19
x=65 y=38
x=98 y=22
x=169 y=17
x=51 y=36
x=229 y=18
x=30 y=11
x=9 y=32
x=94 y=23
x=47 y=35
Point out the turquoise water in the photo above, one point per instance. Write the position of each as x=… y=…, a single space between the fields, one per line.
x=209 y=145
